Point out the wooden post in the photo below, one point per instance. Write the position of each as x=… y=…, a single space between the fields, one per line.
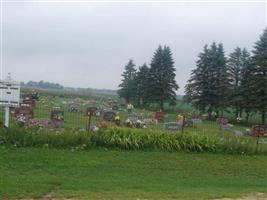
x=183 y=123
x=89 y=122
x=257 y=144
x=7 y=116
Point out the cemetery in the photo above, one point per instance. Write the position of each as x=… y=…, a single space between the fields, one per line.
x=34 y=109
x=162 y=126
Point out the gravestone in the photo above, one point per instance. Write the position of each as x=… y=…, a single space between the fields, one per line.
x=74 y=107
x=23 y=114
x=91 y=111
x=223 y=123
x=259 y=130
x=147 y=121
x=28 y=103
x=225 y=127
x=238 y=133
x=57 y=117
x=222 y=120
x=172 y=126
x=196 y=121
x=133 y=117
x=189 y=123
x=109 y=116
x=160 y=116
x=115 y=107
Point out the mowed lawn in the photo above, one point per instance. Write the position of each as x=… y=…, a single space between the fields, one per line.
x=111 y=174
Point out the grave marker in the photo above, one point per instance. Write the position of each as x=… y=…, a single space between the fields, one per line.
x=23 y=114
x=173 y=126
x=109 y=116
x=259 y=130
x=74 y=107
x=160 y=116
x=57 y=117
x=91 y=111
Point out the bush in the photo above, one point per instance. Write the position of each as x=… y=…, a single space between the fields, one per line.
x=130 y=139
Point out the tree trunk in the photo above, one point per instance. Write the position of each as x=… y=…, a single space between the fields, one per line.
x=247 y=116
x=263 y=117
x=236 y=113
x=161 y=104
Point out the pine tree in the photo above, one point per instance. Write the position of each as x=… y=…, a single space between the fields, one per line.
x=247 y=99
x=141 y=85
x=127 y=86
x=237 y=64
x=258 y=83
x=161 y=79
x=207 y=86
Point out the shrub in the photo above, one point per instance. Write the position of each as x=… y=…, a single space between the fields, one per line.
x=130 y=139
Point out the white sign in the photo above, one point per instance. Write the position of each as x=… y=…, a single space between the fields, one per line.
x=9 y=93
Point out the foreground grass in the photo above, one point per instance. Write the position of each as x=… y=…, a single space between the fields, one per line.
x=111 y=174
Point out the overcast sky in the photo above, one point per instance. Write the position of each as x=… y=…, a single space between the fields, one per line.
x=88 y=44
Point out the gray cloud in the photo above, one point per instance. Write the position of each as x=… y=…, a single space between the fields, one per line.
x=87 y=45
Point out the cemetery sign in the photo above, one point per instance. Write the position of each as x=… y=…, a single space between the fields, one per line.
x=9 y=96
x=9 y=93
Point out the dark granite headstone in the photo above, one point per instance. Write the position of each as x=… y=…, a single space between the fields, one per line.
x=109 y=116
x=259 y=130
x=91 y=111
x=172 y=126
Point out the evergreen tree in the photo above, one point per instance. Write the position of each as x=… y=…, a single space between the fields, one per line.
x=141 y=85
x=247 y=99
x=237 y=64
x=258 y=83
x=207 y=88
x=127 y=86
x=161 y=79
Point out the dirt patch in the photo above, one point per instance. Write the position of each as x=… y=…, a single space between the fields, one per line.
x=259 y=196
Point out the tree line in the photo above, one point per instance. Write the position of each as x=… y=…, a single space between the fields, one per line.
x=42 y=85
x=150 y=84
x=238 y=81
x=218 y=83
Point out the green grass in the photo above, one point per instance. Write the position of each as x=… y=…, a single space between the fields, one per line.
x=106 y=174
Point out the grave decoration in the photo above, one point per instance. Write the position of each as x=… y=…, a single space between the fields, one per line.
x=23 y=114
x=109 y=116
x=160 y=116
x=173 y=126
x=117 y=120
x=74 y=107
x=259 y=130
x=41 y=123
x=91 y=111
x=224 y=123
x=130 y=107
x=57 y=117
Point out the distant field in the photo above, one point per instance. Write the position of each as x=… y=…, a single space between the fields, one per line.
x=100 y=174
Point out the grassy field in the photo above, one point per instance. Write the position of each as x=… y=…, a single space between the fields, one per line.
x=111 y=174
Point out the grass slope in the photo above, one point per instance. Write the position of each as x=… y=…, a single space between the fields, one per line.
x=100 y=174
